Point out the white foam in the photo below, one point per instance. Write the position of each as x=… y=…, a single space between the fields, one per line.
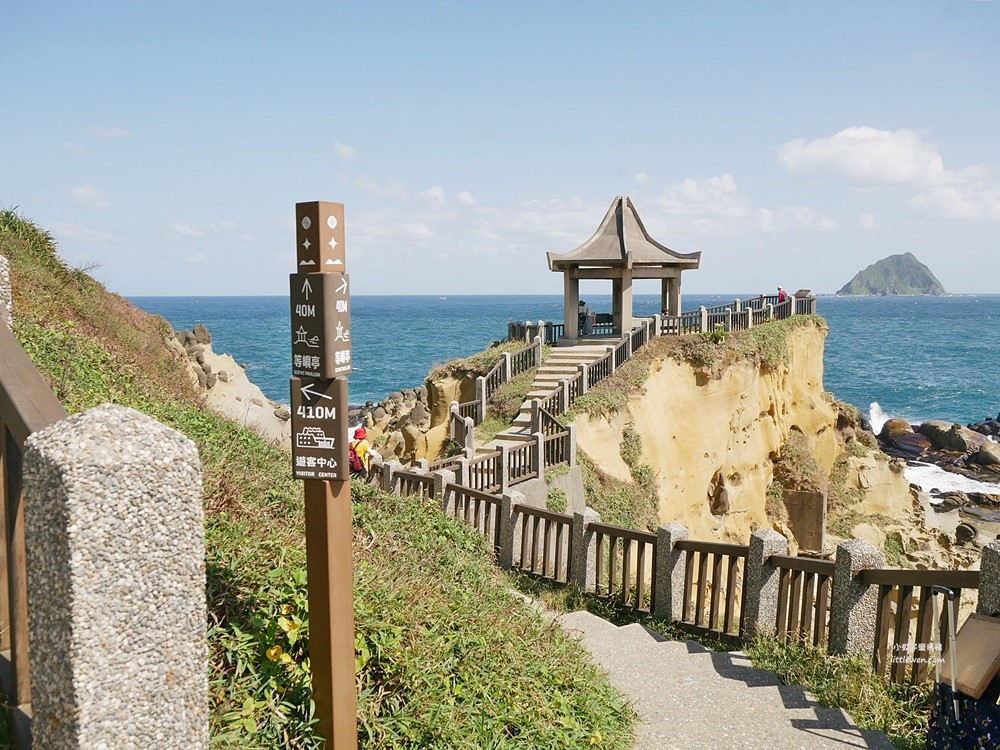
x=877 y=417
x=928 y=476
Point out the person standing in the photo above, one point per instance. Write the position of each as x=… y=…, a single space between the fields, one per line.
x=360 y=454
x=782 y=294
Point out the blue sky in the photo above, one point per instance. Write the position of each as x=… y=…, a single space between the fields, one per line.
x=791 y=142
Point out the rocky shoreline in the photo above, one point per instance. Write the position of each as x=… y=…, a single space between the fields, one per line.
x=970 y=451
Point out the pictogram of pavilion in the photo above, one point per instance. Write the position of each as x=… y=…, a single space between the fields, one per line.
x=620 y=250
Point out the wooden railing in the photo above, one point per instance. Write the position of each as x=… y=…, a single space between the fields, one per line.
x=521 y=463
x=480 y=510
x=486 y=472
x=621 y=566
x=904 y=618
x=469 y=409
x=803 y=598
x=411 y=483
x=27 y=405
x=449 y=463
x=712 y=605
x=545 y=543
x=556 y=449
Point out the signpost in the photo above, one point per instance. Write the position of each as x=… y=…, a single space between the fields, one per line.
x=321 y=361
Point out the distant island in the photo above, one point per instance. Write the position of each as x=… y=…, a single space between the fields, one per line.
x=895 y=275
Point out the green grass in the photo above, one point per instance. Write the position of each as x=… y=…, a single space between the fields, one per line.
x=848 y=682
x=434 y=667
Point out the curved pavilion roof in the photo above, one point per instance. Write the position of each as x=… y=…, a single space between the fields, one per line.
x=622 y=240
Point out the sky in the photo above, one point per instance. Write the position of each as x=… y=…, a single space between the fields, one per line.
x=165 y=145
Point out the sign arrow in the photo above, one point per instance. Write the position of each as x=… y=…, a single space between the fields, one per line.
x=308 y=392
x=307 y=289
x=342 y=287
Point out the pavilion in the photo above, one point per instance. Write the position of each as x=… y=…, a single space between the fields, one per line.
x=620 y=250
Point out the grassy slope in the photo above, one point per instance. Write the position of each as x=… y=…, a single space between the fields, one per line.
x=445 y=657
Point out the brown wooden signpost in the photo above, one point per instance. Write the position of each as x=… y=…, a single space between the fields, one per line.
x=321 y=360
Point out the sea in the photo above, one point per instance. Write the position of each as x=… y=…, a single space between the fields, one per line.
x=915 y=358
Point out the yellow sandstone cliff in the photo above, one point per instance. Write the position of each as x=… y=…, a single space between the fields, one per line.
x=698 y=423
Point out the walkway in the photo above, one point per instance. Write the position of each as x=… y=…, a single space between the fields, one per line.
x=562 y=363
x=690 y=698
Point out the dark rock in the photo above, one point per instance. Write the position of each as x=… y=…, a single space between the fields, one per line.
x=207 y=368
x=988 y=454
x=256 y=401
x=718 y=499
x=223 y=376
x=965 y=533
x=202 y=378
x=950 y=500
x=947 y=436
x=201 y=334
x=419 y=413
x=282 y=413
x=210 y=380
x=199 y=357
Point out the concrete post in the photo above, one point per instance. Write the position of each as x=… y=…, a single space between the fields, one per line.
x=538 y=351
x=441 y=478
x=760 y=605
x=505 y=368
x=505 y=558
x=749 y=312
x=563 y=396
x=114 y=531
x=729 y=319
x=611 y=359
x=657 y=325
x=516 y=526
x=389 y=469
x=462 y=475
x=584 y=376
x=504 y=467
x=583 y=567
x=853 y=604
x=770 y=311
x=6 y=295
x=989 y=580
x=469 y=438
x=480 y=399
x=572 y=444
x=668 y=588
x=703 y=311
x=539 y=454
x=423 y=464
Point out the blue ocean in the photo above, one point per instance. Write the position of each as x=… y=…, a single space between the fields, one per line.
x=917 y=357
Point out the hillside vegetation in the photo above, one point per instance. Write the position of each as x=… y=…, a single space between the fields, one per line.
x=897 y=274
x=445 y=656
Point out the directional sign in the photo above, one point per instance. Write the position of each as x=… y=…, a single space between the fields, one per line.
x=319 y=429
x=321 y=325
x=319 y=237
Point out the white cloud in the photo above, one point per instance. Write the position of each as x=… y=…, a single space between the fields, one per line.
x=789 y=218
x=390 y=190
x=344 y=151
x=641 y=178
x=112 y=132
x=199 y=258
x=85 y=233
x=74 y=148
x=90 y=196
x=866 y=157
x=179 y=229
x=416 y=230
x=222 y=226
x=976 y=200
x=465 y=198
x=867 y=220
x=435 y=195
x=712 y=196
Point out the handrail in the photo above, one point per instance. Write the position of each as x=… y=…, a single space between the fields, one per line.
x=27 y=405
x=960 y=579
x=718 y=548
x=804 y=564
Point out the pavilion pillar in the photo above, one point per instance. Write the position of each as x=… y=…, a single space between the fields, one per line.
x=665 y=288
x=625 y=323
x=571 y=304
x=674 y=292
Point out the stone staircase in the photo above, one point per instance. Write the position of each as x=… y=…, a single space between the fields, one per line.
x=563 y=362
x=690 y=698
